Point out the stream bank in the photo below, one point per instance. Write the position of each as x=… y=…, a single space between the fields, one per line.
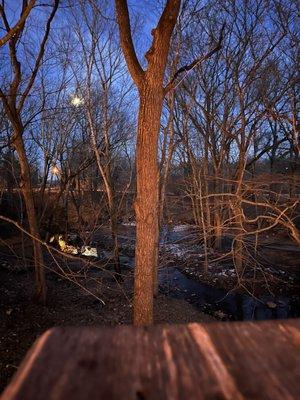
x=181 y=276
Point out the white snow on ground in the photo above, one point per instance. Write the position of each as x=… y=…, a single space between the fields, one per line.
x=182 y=251
x=176 y=250
x=231 y=271
x=226 y=272
x=186 y=253
x=133 y=223
x=89 y=251
x=176 y=228
x=179 y=228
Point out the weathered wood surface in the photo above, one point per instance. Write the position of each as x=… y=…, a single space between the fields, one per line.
x=242 y=360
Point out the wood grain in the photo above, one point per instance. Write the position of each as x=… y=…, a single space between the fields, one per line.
x=243 y=360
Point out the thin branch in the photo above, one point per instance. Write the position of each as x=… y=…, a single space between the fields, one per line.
x=39 y=57
x=197 y=61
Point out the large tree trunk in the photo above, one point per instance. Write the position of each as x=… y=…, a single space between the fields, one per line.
x=31 y=215
x=150 y=84
x=146 y=204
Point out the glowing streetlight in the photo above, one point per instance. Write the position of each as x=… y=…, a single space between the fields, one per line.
x=77 y=101
x=55 y=170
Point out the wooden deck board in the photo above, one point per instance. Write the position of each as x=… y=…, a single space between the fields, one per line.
x=243 y=360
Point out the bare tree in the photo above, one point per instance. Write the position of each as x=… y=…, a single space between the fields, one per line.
x=150 y=84
x=151 y=92
x=14 y=100
x=103 y=70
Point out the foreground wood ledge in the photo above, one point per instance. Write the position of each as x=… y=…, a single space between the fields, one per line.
x=243 y=360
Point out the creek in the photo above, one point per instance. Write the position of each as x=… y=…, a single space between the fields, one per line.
x=213 y=300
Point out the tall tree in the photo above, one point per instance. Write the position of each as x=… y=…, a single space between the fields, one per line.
x=13 y=101
x=152 y=91
x=150 y=84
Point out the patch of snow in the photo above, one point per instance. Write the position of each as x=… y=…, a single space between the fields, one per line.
x=222 y=273
x=176 y=250
x=179 y=228
x=89 y=251
x=133 y=223
x=231 y=272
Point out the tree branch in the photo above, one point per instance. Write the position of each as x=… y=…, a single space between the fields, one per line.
x=197 y=61
x=39 y=57
x=131 y=59
x=162 y=34
x=19 y=25
x=264 y=151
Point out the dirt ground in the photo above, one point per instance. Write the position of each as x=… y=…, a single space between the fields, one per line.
x=76 y=299
x=22 y=321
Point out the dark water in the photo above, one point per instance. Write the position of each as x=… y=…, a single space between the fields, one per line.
x=231 y=305
x=213 y=300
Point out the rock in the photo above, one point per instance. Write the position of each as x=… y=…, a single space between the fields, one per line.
x=220 y=314
x=65 y=247
x=130 y=223
x=282 y=303
x=52 y=239
x=271 y=304
x=5 y=264
x=73 y=244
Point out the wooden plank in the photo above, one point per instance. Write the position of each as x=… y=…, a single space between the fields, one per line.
x=271 y=357
x=243 y=360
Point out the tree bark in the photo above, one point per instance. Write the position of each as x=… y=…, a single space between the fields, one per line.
x=151 y=92
x=147 y=204
x=27 y=193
